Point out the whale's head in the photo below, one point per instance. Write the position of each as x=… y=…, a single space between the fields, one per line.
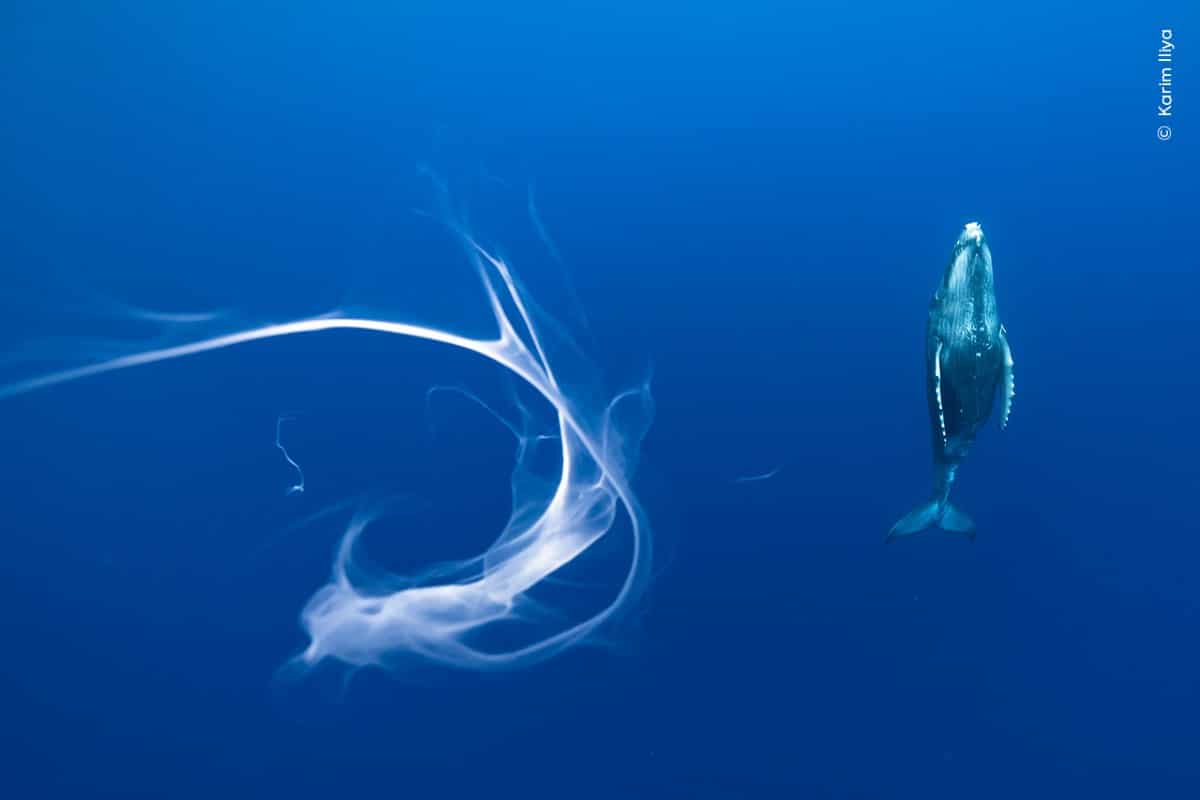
x=971 y=263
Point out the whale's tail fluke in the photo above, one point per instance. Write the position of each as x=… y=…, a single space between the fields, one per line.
x=936 y=512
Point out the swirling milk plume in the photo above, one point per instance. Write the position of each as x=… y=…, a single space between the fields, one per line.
x=440 y=614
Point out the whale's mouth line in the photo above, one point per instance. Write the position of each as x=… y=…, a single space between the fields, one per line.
x=972 y=247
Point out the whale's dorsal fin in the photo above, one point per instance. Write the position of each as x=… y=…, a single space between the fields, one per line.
x=1010 y=386
x=937 y=390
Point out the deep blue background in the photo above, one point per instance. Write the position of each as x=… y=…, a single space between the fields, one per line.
x=756 y=199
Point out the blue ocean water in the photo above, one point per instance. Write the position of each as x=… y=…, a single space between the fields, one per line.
x=751 y=205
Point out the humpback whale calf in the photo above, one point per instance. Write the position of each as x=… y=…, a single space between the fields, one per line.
x=967 y=358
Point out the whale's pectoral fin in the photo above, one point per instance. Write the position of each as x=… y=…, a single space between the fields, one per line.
x=1009 y=384
x=937 y=390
